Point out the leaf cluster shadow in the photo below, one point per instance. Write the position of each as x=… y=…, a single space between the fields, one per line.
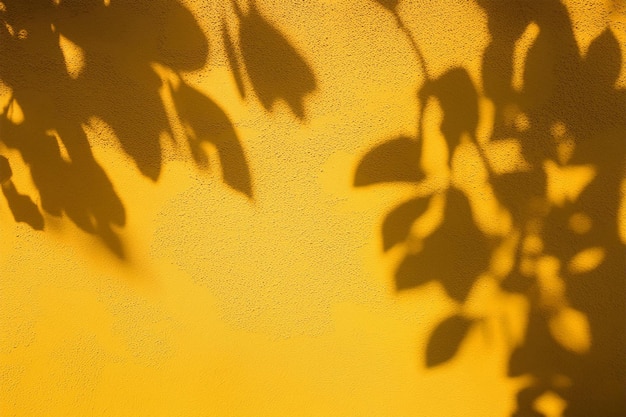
x=126 y=47
x=275 y=70
x=568 y=259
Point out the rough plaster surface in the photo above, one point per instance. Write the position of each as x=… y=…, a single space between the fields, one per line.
x=282 y=303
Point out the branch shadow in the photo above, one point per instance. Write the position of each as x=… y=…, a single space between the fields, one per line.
x=569 y=122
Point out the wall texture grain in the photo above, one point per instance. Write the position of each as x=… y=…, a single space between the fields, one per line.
x=312 y=208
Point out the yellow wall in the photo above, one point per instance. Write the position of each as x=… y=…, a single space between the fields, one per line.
x=195 y=220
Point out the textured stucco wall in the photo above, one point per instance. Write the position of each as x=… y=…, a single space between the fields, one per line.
x=255 y=283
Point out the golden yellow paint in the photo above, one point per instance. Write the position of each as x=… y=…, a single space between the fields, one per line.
x=571 y=329
x=281 y=301
x=14 y=112
x=550 y=404
x=522 y=45
x=586 y=260
x=73 y=55
x=566 y=183
x=580 y=223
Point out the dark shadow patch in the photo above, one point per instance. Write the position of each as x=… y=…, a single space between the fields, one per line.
x=121 y=42
x=22 y=207
x=567 y=114
x=454 y=254
x=397 y=160
x=275 y=68
x=446 y=339
x=206 y=121
x=459 y=102
x=398 y=223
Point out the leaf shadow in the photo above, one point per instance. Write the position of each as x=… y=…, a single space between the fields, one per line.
x=275 y=69
x=567 y=113
x=206 y=121
x=22 y=207
x=454 y=254
x=116 y=46
x=444 y=342
x=396 y=160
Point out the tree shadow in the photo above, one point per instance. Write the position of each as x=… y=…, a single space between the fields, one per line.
x=568 y=120
x=275 y=70
x=66 y=62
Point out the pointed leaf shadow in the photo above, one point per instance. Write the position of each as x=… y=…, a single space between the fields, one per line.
x=276 y=69
x=397 y=224
x=459 y=101
x=206 y=121
x=5 y=170
x=455 y=254
x=77 y=187
x=181 y=43
x=411 y=272
x=23 y=208
x=397 y=160
x=99 y=206
x=603 y=57
x=446 y=340
x=128 y=114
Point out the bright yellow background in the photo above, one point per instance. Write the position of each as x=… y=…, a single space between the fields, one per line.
x=279 y=305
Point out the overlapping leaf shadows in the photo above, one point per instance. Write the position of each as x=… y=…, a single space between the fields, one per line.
x=276 y=71
x=531 y=204
x=205 y=120
x=21 y=205
x=67 y=62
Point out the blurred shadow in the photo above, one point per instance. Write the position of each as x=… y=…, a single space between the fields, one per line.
x=454 y=251
x=568 y=119
x=111 y=75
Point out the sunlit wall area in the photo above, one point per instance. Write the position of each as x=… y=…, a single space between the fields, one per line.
x=320 y=208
